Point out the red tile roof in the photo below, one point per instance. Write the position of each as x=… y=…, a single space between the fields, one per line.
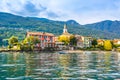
x=40 y=33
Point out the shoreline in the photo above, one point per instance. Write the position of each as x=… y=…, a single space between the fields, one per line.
x=81 y=51
x=10 y=50
x=68 y=51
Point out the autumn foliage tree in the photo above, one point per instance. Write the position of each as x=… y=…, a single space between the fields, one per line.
x=107 y=45
x=64 y=39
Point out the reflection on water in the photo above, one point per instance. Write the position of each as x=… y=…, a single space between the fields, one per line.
x=55 y=66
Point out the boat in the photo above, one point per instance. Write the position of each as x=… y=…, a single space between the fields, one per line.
x=63 y=52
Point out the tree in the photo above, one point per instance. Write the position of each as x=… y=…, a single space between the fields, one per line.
x=107 y=45
x=94 y=42
x=73 y=41
x=29 y=42
x=64 y=39
x=36 y=40
x=12 y=41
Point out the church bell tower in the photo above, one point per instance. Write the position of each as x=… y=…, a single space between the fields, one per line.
x=65 y=29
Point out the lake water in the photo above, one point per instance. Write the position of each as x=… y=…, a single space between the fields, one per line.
x=55 y=66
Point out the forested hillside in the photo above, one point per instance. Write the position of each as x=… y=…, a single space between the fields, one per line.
x=107 y=26
x=18 y=26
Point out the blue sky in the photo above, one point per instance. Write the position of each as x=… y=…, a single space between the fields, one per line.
x=83 y=11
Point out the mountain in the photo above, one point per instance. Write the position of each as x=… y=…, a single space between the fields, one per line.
x=107 y=26
x=18 y=26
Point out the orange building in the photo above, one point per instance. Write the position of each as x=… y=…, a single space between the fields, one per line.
x=100 y=42
x=46 y=39
x=116 y=41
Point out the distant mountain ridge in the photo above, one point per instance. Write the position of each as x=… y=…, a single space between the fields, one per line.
x=17 y=25
x=107 y=26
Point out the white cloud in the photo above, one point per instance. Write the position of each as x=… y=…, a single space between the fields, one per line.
x=83 y=11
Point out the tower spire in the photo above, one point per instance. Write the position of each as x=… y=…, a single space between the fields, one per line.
x=65 y=26
x=65 y=29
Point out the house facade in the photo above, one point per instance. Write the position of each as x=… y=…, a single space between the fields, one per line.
x=87 y=41
x=83 y=42
x=100 y=42
x=80 y=41
x=59 y=45
x=46 y=39
x=64 y=36
x=116 y=41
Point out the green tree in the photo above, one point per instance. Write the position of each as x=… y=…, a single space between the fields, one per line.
x=94 y=42
x=36 y=40
x=107 y=45
x=73 y=41
x=29 y=42
x=12 y=41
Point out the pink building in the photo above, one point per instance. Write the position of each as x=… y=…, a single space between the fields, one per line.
x=46 y=39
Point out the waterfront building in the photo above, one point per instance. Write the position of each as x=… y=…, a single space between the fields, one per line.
x=116 y=41
x=87 y=41
x=63 y=40
x=59 y=45
x=46 y=39
x=65 y=34
x=83 y=41
x=100 y=42
x=80 y=41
